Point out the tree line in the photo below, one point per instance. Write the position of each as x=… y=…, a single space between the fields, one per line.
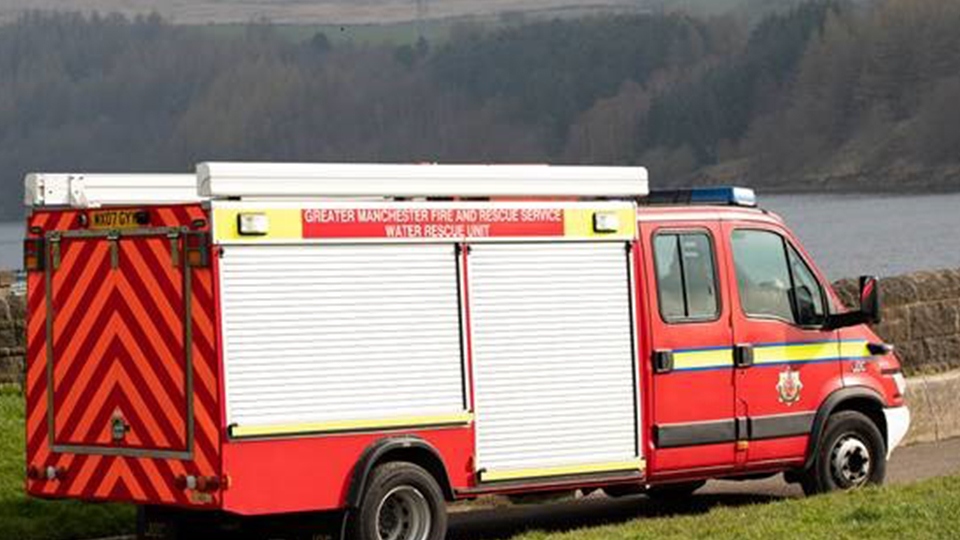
x=827 y=93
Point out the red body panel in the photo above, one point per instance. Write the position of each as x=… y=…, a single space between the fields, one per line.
x=781 y=451
x=875 y=373
x=302 y=474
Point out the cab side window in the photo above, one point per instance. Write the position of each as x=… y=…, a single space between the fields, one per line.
x=807 y=296
x=773 y=280
x=686 y=277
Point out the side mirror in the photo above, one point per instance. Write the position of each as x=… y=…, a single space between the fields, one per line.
x=870 y=299
x=869 y=312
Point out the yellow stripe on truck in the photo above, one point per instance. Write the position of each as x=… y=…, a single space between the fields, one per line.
x=777 y=354
x=786 y=353
x=854 y=349
x=340 y=426
x=703 y=359
x=548 y=472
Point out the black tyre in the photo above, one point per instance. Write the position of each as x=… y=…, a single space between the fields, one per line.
x=673 y=492
x=402 y=502
x=852 y=454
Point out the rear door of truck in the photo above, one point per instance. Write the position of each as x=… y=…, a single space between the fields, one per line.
x=122 y=385
x=117 y=349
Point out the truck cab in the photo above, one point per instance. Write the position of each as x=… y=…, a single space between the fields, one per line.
x=757 y=367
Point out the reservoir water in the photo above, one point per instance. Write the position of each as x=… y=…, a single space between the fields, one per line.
x=11 y=250
x=847 y=235
x=850 y=235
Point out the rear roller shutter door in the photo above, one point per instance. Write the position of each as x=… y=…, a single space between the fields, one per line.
x=553 y=359
x=327 y=337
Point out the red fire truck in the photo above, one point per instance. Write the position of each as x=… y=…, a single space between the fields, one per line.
x=375 y=341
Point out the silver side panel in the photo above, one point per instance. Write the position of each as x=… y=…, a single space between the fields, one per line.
x=552 y=355
x=317 y=334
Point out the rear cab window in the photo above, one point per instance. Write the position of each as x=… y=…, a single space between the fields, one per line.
x=686 y=276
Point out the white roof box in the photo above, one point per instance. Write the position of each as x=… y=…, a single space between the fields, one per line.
x=291 y=180
x=96 y=190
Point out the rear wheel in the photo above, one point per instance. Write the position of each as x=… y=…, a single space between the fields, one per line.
x=852 y=455
x=402 y=502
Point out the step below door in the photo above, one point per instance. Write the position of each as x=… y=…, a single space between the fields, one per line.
x=553 y=360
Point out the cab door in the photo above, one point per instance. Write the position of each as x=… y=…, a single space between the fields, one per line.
x=692 y=404
x=786 y=362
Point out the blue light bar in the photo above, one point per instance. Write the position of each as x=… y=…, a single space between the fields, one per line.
x=736 y=196
x=729 y=195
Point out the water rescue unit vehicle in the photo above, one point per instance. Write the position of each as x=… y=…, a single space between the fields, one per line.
x=376 y=341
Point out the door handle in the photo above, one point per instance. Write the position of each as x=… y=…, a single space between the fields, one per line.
x=174 y=238
x=113 y=240
x=662 y=361
x=55 y=251
x=743 y=355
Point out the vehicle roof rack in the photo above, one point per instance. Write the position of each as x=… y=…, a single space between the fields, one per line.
x=302 y=180
x=722 y=195
x=286 y=180
x=95 y=190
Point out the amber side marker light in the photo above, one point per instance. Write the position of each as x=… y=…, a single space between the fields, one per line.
x=33 y=251
x=197 y=249
x=49 y=473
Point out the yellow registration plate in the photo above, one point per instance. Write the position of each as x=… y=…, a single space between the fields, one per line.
x=118 y=219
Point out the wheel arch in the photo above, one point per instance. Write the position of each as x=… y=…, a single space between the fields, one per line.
x=407 y=448
x=861 y=399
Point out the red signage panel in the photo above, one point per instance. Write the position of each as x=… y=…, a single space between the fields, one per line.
x=432 y=222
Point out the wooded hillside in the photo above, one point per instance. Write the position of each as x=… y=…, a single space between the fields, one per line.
x=828 y=95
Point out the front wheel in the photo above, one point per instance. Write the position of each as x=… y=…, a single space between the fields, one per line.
x=852 y=455
x=402 y=502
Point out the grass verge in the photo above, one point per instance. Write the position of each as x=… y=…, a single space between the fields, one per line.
x=929 y=509
x=23 y=518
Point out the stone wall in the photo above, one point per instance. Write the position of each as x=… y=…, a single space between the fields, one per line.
x=921 y=317
x=11 y=331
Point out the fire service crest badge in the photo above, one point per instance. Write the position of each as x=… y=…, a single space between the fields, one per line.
x=789 y=386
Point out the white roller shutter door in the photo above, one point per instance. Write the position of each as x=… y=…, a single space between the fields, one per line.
x=552 y=356
x=318 y=334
